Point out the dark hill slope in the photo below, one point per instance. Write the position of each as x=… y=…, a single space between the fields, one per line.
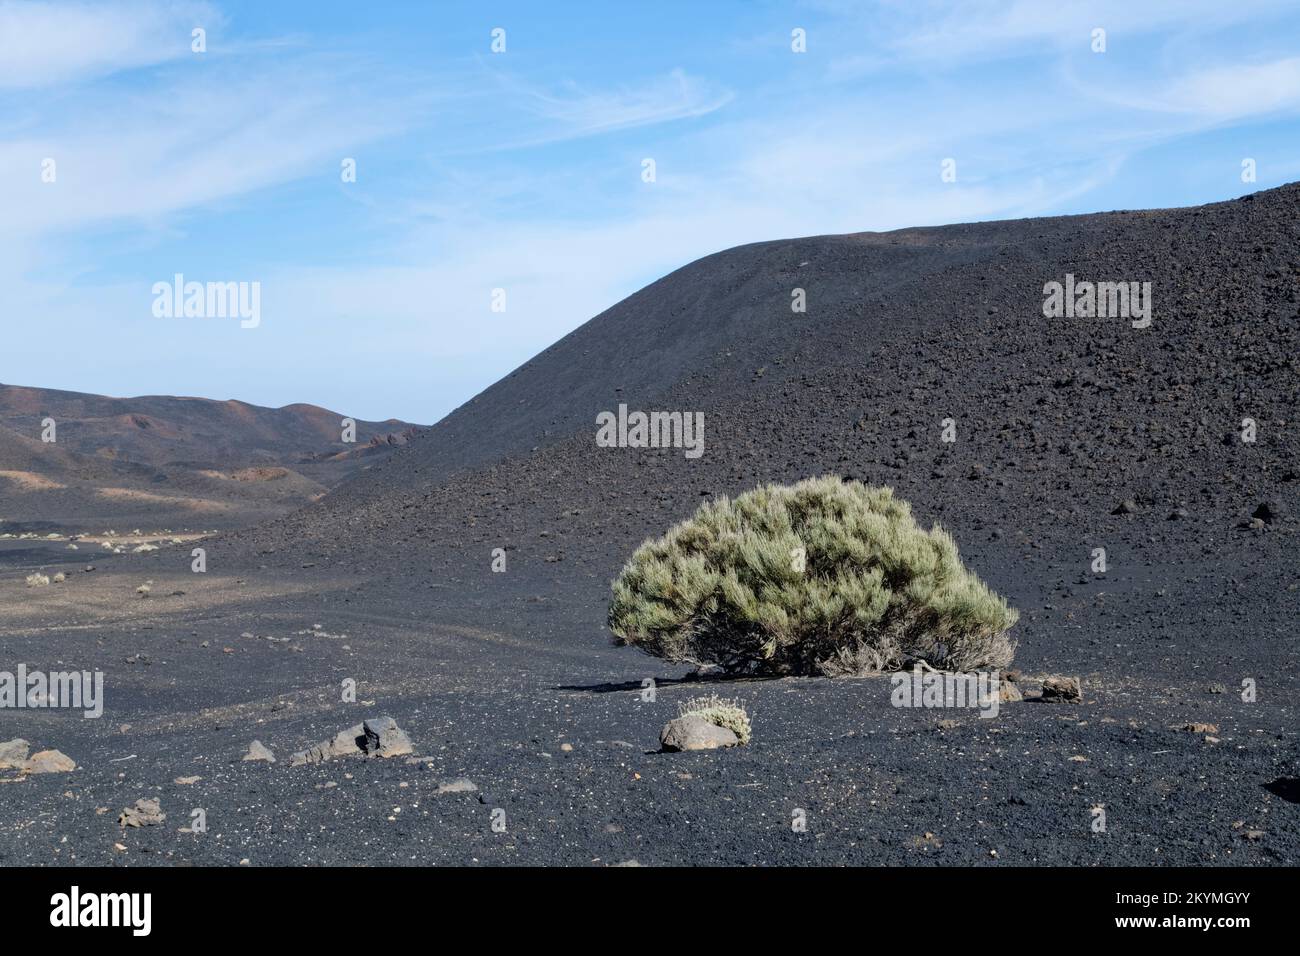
x=1059 y=420
x=706 y=328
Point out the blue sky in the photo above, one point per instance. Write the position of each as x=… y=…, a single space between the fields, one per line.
x=522 y=170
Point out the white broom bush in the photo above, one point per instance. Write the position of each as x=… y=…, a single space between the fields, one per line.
x=825 y=577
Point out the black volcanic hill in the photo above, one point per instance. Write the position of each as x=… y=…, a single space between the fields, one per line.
x=1059 y=420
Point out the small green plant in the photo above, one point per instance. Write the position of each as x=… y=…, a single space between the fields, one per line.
x=721 y=712
x=823 y=577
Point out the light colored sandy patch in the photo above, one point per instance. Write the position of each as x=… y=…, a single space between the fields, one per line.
x=291 y=705
x=146 y=497
x=101 y=599
x=264 y=473
x=261 y=474
x=30 y=481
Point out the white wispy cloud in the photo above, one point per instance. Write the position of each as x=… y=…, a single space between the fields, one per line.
x=532 y=113
x=946 y=34
x=46 y=44
x=582 y=112
x=145 y=154
x=1233 y=91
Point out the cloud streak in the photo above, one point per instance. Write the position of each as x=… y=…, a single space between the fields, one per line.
x=48 y=44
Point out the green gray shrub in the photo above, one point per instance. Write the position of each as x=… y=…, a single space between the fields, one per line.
x=822 y=577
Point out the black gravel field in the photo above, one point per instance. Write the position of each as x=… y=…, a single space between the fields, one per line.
x=1073 y=434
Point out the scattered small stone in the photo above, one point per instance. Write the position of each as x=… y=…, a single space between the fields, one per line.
x=50 y=761
x=693 y=732
x=459 y=785
x=1270 y=512
x=566 y=747
x=1058 y=689
x=1201 y=728
x=13 y=754
x=186 y=781
x=259 y=751
x=377 y=737
x=344 y=743
x=385 y=739
x=145 y=813
x=60 y=578
x=1127 y=507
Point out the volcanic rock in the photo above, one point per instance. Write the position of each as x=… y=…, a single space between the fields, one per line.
x=376 y=737
x=1270 y=512
x=385 y=739
x=259 y=751
x=143 y=813
x=1057 y=689
x=344 y=743
x=13 y=753
x=49 y=761
x=693 y=732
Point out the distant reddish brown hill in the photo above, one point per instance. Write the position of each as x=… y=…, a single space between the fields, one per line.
x=163 y=429
x=172 y=461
